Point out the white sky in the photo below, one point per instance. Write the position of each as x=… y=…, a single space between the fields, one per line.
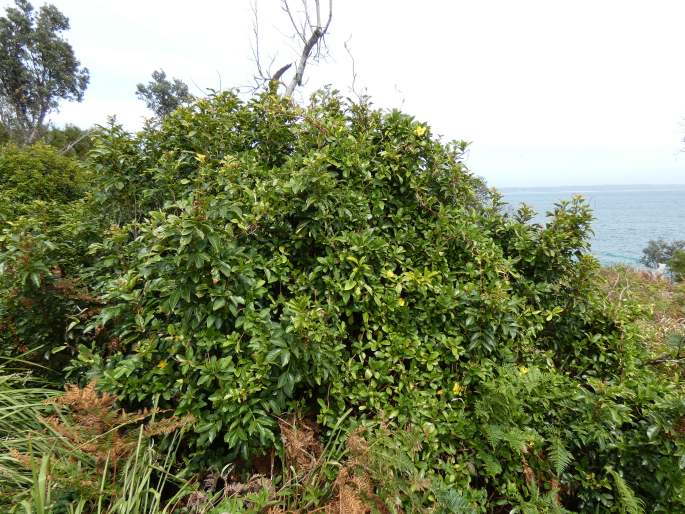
x=549 y=92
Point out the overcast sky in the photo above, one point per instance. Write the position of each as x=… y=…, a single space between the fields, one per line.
x=549 y=92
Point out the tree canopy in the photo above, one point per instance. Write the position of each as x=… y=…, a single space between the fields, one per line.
x=38 y=68
x=659 y=251
x=161 y=95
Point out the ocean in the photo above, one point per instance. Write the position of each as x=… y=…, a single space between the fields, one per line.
x=626 y=217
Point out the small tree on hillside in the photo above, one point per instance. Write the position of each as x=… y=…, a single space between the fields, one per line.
x=163 y=96
x=660 y=251
x=37 y=69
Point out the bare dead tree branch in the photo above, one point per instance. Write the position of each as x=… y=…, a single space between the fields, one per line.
x=263 y=75
x=348 y=48
x=309 y=29
x=277 y=76
x=255 y=45
x=313 y=35
x=299 y=31
x=72 y=144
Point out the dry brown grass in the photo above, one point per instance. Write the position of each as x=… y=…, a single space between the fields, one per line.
x=353 y=489
x=301 y=443
x=356 y=489
x=89 y=421
x=661 y=304
x=354 y=486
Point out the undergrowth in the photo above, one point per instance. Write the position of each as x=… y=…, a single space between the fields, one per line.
x=658 y=305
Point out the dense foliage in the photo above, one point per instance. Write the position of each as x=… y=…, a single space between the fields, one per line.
x=36 y=173
x=251 y=261
x=43 y=241
x=70 y=140
x=677 y=264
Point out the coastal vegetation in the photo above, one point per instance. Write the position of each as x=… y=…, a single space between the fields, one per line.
x=252 y=305
x=251 y=272
x=671 y=255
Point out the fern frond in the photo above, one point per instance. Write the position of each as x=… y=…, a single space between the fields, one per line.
x=494 y=434
x=452 y=502
x=514 y=437
x=517 y=439
x=491 y=464
x=550 y=505
x=559 y=455
x=629 y=502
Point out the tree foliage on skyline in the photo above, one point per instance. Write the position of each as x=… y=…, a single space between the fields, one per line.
x=38 y=68
x=163 y=96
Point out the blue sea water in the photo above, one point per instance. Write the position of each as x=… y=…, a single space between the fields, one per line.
x=626 y=217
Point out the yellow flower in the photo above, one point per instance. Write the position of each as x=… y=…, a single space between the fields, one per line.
x=457 y=389
x=420 y=130
x=162 y=364
x=523 y=370
x=401 y=302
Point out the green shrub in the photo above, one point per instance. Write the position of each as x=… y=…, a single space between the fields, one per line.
x=37 y=172
x=45 y=230
x=267 y=259
x=41 y=291
x=677 y=265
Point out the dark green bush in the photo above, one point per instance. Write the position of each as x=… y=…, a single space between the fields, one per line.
x=41 y=288
x=677 y=265
x=44 y=237
x=266 y=258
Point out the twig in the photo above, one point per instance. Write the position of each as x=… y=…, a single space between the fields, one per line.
x=75 y=142
x=666 y=358
x=354 y=70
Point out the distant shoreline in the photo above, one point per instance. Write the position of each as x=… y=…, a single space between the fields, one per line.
x=590 y=187
x=626 y=217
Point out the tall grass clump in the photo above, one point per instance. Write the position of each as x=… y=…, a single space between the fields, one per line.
x=74 y=451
